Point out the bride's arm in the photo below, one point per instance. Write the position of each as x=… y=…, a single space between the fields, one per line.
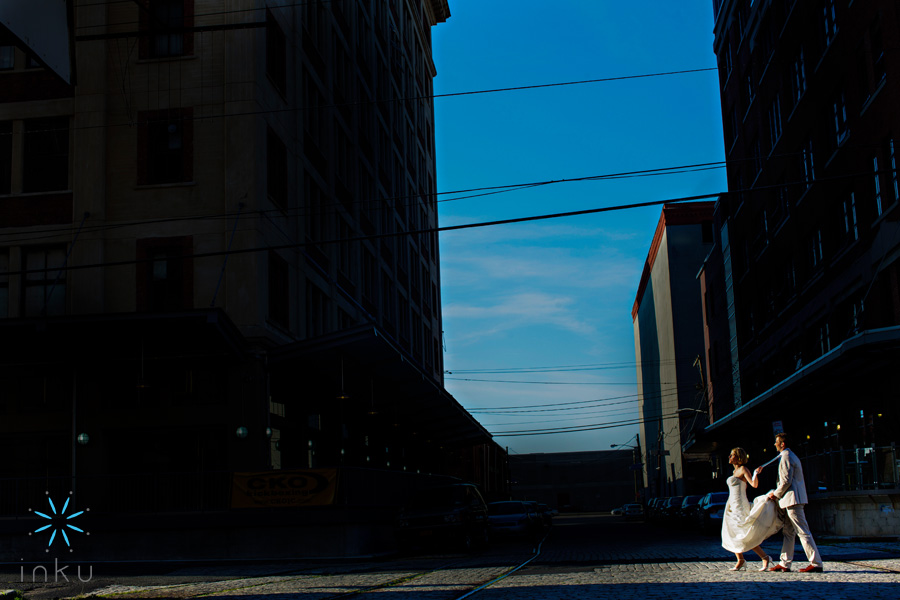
x=750 y=479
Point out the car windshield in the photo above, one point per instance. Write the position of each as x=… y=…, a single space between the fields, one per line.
x=718 y=497
x=506 y=508
x=439 y=497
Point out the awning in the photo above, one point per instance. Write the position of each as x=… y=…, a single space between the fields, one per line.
x=866 y=357
x=372 y=372
x=119 y=336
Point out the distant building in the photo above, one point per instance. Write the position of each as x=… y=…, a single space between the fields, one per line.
x=219 y=250
x=668 y=339
x=574 y=481
x=805 y=273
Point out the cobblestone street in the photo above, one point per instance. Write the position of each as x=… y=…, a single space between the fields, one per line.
x=583 y=556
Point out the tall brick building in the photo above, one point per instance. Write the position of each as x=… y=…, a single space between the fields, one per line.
x=218 y=248
x=803 y=285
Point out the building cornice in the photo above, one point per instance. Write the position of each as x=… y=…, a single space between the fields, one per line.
x=440 y=9
x=672 y=214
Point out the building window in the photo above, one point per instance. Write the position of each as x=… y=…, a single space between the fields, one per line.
x=728 y=63
x=775 y=121
x=279 y=290
x=757 y=160
x=388 y=302
x=892 y=161
x=369 y=281
x=276 y=169
x=876 y=52
x=798 y=78
x=751 y=89
x=5 y=157
x=809 y=170
x=318 y=224
x=856 y=316
x=884 y=178
x=165 y=146
x=7 y=58
x=4 y=284
x=316 y=310
x=851 y=230
x=346 y=247
x=44 y=290
x=429 y=349
x=46 y=155
x=168 y=23
x=816 y=250
x=276 y=54
x=824 y=339
x=165 y=274
x=404 y=321
x=829 y=22
x=839 y=106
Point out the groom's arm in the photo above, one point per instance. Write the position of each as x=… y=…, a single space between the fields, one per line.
x=785 y=477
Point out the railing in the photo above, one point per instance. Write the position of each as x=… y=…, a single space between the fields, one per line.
x=869 y=468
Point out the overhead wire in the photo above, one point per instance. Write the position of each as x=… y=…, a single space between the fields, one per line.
x=590 y=211
x=299 y=211
x=582 y=428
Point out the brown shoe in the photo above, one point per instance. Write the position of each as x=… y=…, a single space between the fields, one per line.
x=812 y=569
x=780 y=569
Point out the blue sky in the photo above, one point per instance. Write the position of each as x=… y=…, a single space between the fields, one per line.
x=558 y=293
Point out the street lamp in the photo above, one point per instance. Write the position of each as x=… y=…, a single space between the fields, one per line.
x=636 y=466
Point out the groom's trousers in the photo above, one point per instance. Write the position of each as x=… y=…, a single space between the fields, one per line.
x=795 y=525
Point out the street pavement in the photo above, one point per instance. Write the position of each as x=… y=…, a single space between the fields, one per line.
x=582 y=556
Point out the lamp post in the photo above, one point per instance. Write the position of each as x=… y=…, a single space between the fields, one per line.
x=636 y=465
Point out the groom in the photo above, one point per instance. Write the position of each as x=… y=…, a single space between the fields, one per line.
x=791 y=496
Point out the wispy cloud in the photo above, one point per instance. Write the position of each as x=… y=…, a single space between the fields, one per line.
x=522 y=309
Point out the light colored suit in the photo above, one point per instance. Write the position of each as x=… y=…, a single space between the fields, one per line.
x=791 y=488
x=791 y=494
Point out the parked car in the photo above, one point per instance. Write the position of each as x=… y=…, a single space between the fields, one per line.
x=547 y=514
x=513 y=517
x=687 y=514
x=655 y=507
x=617 y=512
x=633 y=511
x=454 y=514
x=710 y=510
x=670 y=508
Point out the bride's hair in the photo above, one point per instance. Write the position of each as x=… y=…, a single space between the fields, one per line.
x=741 y=455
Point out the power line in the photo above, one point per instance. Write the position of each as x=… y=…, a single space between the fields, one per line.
x=577 y=429
x=385 y=200
x=527 y=406
x=547 y=382
x=616 y=411
x=590 y=211
x=634 y=398
x=557 y=368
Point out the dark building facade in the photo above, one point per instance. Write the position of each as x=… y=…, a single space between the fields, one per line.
x=218 y=254
x=575 y=481
x=803 y=285
x=668 y=341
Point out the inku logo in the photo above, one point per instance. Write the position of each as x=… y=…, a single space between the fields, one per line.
x=59 y=522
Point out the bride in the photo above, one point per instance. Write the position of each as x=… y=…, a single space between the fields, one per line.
x=744 y=525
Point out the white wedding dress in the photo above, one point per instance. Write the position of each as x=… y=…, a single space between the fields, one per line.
x=746 y=525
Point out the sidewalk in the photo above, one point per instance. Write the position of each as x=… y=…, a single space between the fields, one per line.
x=854 y=569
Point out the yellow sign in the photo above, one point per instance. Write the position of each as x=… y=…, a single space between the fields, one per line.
x=312 y=487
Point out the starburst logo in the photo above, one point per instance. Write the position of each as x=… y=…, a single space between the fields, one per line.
x=59 y=522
